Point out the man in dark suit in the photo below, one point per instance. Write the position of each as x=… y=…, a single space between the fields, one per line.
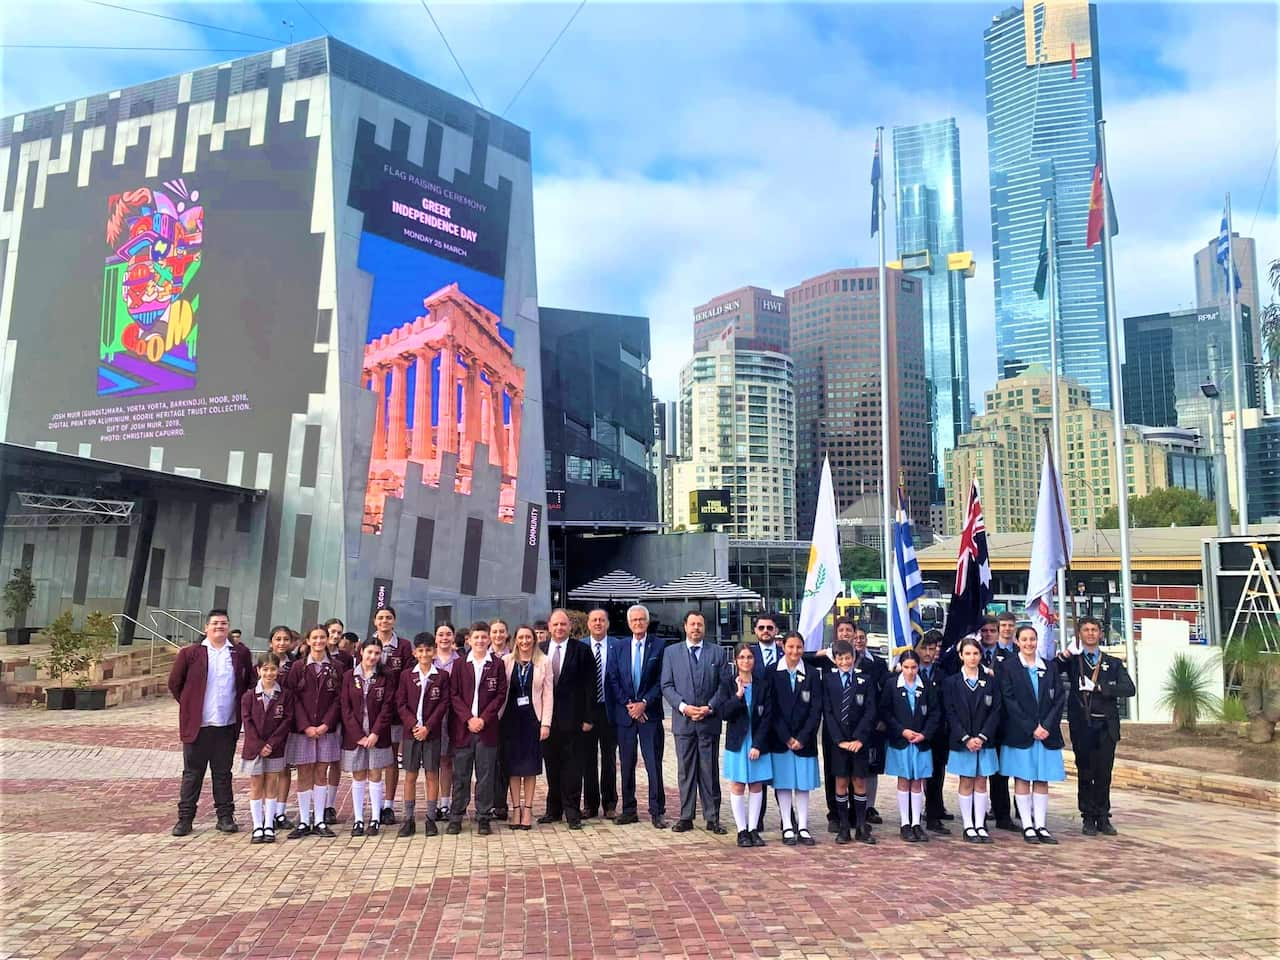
x=208 y=680
x=864 y=661
x=931 y=675
x=573 y=677
x=634 y=678
x=1096 y=683
x=691 y=683
x=994 y=653
x=768 y=653
x=600 y=768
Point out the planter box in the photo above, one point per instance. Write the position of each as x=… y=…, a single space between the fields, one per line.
x=93 y=698
x=19 y=636
x=60 y=698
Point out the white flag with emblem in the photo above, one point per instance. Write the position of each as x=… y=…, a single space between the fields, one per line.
x=822 y=583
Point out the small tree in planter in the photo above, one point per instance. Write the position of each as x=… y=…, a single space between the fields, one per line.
x=1188 y=692
x=64 y=657
x=19 y=593
x=96 y=639
x=1252 y=666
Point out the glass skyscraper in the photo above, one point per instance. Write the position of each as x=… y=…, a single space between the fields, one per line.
x=1044 y=98
x=929 y=217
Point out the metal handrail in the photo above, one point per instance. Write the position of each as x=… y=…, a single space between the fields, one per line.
x=154 y=636
x=195 y=632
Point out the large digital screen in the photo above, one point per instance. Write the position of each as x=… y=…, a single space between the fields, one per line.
x=173 y=310
x=437 y=356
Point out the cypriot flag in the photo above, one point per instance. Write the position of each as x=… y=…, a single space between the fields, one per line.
x=822 y=583
x=1050 y=552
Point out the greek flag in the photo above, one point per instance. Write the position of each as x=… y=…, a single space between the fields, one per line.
x=907 y=585
x=1224 y=251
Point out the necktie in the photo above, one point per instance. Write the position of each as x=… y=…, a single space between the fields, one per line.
x=555 y=663
x=693 y=652
x=768 y=656
x=846 y=697
x=637 y=659
x=599 y=674
x=793 y=681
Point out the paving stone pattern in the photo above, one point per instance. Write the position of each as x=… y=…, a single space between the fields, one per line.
x=89 y=870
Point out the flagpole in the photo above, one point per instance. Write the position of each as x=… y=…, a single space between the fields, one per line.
x=1237 y=382
x=1053 y=379
x=1117 y=413
x=886 y=480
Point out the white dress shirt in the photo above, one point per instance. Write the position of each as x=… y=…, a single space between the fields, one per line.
x=422 y=689
x=219 y=686
x=477 y=667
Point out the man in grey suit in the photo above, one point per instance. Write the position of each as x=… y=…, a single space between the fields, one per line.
x=691 y=683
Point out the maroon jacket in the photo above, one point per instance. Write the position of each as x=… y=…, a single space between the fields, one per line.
x=493 y=695
x=262 y=726
x=397 y=658
x=381 y=708
x=435 y=704
x=187 y=680
x=315 y=695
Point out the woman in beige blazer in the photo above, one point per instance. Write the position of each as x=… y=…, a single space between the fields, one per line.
x=526 y=722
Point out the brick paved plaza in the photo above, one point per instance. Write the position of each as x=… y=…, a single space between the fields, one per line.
x=90 y=870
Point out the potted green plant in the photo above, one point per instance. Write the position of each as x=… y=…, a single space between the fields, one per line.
x=1188 y=692
x=64 y=658
x=96 y=639
x=1255 y=669
x=19 y=593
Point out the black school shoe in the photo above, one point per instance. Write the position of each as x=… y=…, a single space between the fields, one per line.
x=681 y=826
x=330 y=815
x=806 y=838
x=744 y=838
x=227 y=824
x=429 y=827
x=1105 y=828
x=408 y=828
x=863 y=835
x=1088 y=826
x=283 y=823
x=181 y=828
x=873 y=816
x=908 y=835
x=300 y=831
x=483 y=830
x=322 y=830
x=936 y=826
x=625 y=818
x=713 y=826
x=921 y=834
x=1046 y=837
x=388 y=817
x=357 y=828
x=372 y=829
x=442 y=814
x=454 y=828
x=756 y=839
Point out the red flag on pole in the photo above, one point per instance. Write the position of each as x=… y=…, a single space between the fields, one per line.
x=1093 y=231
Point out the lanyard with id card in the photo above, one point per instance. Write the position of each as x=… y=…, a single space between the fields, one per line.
x=523 y=674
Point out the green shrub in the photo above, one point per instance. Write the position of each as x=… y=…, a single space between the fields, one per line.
x=1232 y=710
x=1188 y=692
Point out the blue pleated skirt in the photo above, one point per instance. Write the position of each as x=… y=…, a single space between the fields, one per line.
x=739 y=769
x=1036 y=762
x=910 y=762
x=794 y=772
x=980 y=763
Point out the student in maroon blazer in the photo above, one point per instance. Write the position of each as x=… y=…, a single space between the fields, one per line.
x=208 y=680
x=315 y=742
x=477 y=693
x=282 y=645
x=423 y=705
x=397 y=656
x=368 y=709
x=267 y=712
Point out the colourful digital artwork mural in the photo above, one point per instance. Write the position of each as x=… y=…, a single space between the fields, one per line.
x=149 y=317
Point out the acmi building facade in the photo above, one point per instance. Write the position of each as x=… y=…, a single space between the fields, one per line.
x=300 y=286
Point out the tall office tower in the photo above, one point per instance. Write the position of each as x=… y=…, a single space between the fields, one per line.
x=1044 y=98
x=1211 y=291
x=835 y=342
x=754 y=317
x=1166 y=360
x=930 y=225
x=738 y=433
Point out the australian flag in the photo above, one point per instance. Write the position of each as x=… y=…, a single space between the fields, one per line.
x=972 y=590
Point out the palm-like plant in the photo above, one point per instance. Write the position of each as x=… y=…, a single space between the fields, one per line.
x=1255 y=669
x=1188 y=692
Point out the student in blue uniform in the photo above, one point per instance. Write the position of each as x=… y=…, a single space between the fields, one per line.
x=876 y=668
x=909 y=708
x=1034 y=698
x=972 y=704
x=748 y=716
x=796 y=691
x=849 y=708
x=933 y=675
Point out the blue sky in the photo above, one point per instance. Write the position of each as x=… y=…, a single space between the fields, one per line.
x=681 y=150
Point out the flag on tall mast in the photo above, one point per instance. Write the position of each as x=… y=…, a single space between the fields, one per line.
x=822 y=581
x=972 y=590
x=1050 y=552
x=908 y=587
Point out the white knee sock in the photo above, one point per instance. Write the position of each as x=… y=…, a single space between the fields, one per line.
x=358 y=788
x=873 y=783
x=754 y=802
x=784 y=808
x=304 y=807
x=979 y=807
x=738 y=802
x=917 y=806
x=1023 y=801
x=966 y=810
x=904 y=807
x=255 y=810
x=802 y=809
x=376 y=790
x=1040 y=809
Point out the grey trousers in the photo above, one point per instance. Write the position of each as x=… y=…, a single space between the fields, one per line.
x=698 y=766
x=475 y=756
